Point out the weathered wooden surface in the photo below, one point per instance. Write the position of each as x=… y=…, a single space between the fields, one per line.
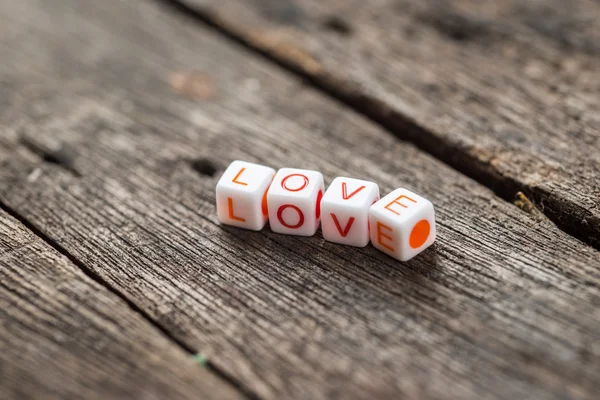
x=62 y=335
x=112 y=149
x=507 y=91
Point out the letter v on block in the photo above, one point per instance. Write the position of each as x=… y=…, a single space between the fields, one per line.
x=345 y=207
x=343 y=232
x=345 y=191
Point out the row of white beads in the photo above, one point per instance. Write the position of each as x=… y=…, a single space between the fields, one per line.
x=402 y=224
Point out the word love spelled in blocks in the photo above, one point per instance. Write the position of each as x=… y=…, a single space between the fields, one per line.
x=402 y=224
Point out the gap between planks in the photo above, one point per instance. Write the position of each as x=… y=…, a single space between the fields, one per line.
x=132 y=306
x=406 y=129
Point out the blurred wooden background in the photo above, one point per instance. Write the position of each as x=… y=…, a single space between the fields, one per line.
x=117 y=118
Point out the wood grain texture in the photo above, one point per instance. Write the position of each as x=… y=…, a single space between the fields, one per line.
x=507 y=92
x=106 y=152
x=63 y=336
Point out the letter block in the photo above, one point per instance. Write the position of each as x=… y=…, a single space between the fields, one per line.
x=345 y=211
x=294 y=200
x=242 y=195
x=402 y=224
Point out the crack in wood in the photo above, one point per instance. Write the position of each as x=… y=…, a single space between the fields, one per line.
x=339 y=25
x=64 y=156
x=204 y=167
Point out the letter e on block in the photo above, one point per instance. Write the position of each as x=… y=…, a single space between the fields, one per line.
x=402 y=224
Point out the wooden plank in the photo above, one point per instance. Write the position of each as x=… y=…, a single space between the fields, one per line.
x=505 y=91
x=62 y=335
x=113 y=150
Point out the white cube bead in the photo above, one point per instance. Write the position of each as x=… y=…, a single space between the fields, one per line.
x=294 y=201
x=242 y=195
x=402 y=224
x=345 y=211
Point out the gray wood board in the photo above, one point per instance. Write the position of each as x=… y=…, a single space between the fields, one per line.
x=507 y=92
x=109 y=147
x=64 y=336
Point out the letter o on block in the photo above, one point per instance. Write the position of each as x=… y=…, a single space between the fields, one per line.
x=402 y=224
x=294 y=201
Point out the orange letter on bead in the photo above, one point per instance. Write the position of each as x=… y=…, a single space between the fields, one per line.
x=397 y=201
x=265 y=207
x=235 y=180
x=345 y=191
x=344 y=232
x=381 y=234
x=233 y=217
